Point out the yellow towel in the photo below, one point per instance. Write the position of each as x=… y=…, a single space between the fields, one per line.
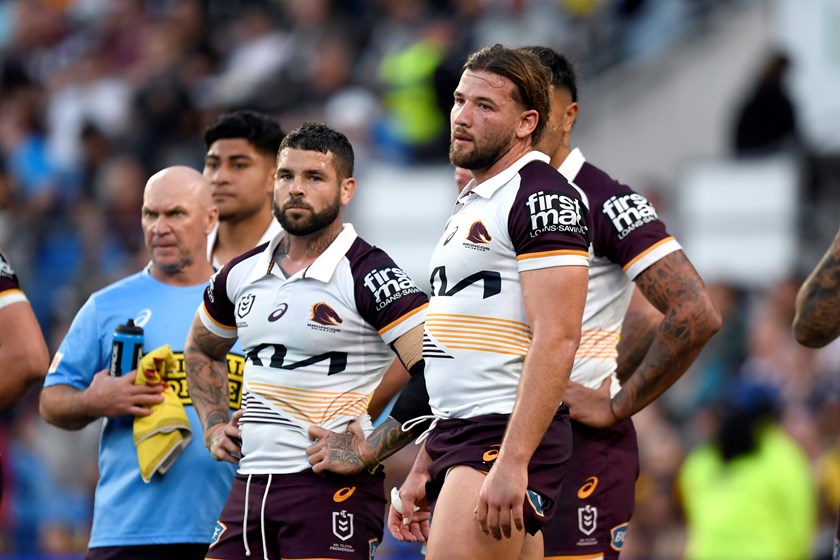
x=161 y=436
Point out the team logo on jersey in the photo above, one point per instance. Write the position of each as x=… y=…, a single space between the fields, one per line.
x=323 y=314
x=277 y=313
x=478 y=238
x=387 y=285
x=244 y=305
x=451 y=235
x=479 y=234
x=617 y=536
x=553 y=211
x=588 y=487
x=628 y=212
x=343 y=493
x=342 y=524
x=587 y=519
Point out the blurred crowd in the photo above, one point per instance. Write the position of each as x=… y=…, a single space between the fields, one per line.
x=95 y=95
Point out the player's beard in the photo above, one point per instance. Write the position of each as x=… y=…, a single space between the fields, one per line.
x=481 y=156
x=313 y=223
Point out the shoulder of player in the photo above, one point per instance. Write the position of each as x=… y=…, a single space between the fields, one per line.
x=364 y=257
x=599 y=186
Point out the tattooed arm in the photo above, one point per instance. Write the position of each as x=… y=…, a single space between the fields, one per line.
x=205 y=357
x=817 y=319
x=350 y=452
x=690 y=318
x=637 y=332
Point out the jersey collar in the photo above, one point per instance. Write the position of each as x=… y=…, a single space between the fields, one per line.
x=494 y=183
x=323 y=267
x=572 y=164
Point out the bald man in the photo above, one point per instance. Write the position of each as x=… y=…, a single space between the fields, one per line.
x=174 y=515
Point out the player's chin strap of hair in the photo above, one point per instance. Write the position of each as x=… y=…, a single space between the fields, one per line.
x=262 y=517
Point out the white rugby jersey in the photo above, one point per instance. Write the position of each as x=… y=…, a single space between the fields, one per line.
x=477 y=334
x=10 y=291
x=316 y=343
x=627 y=237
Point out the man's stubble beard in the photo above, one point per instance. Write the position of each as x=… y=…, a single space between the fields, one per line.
x=315 y=222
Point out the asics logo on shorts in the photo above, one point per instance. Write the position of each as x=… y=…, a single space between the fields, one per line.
x=343 y=493
x=491 y=454
x=588 y=488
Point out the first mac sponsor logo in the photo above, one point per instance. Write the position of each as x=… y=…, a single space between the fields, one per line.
x=553 y=211
x=388 y=285
x=628 y=212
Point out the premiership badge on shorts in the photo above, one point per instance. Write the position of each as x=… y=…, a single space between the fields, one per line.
x=342 y=524
x=587 y=519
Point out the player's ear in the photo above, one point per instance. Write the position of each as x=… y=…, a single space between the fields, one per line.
x=527 y=123
x=347 y=190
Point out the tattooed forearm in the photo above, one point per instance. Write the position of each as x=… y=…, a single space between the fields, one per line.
x=389 y=437
x=206 y=364
x=637 y=334
x=690 y=319
x=817 y=319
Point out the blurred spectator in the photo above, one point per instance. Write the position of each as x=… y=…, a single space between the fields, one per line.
x=749 y=493
x=766 y=120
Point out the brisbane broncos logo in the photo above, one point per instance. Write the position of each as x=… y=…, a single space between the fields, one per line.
x=479 y=234
x=323 y=314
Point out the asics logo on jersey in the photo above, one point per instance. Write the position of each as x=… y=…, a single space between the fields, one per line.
x=588 y=487
x=628 y=212
x=325 y=315
x=387 y=285
x=479 y=234
x=343 y=493
x=277 y=313
x=552 y=211
x=451 y=235
x=244 y=305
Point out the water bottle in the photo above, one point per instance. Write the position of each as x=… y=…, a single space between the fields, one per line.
x=127 y=348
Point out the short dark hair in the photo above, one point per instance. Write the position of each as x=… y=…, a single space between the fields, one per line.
x=257 y=128
x=318 y=137
x=531 y=79
x=563 y=74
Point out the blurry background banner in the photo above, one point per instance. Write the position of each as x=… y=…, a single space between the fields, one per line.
x=723 y=113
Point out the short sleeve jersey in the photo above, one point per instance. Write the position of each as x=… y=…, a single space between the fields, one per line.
x=10 y=291
x=316 y=343
x=124 y=504
x=627 y=237
x=527 y=217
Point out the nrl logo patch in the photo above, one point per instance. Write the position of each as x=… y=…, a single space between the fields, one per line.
x=587 y=519
x=244 y=305
x=342 y=524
